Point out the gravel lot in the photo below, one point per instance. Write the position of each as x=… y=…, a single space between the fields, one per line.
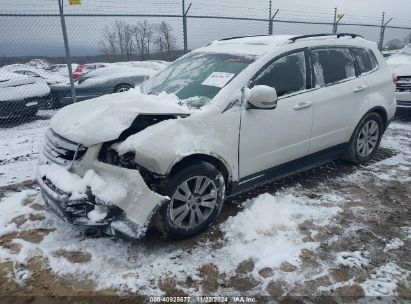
x=338 y=230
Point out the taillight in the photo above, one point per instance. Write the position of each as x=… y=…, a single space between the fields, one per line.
x=394 y=78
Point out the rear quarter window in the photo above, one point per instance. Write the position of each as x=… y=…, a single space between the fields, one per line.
x=332 y=65
x=365 y=60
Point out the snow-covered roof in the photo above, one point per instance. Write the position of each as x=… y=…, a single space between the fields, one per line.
x=256 y=45
x=259 y=45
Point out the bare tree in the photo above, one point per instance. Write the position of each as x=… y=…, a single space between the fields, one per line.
x=394 y=44
x=165 y=41
x=108 y=43
x=117 y=40
x=407 y=39
x=143 y=33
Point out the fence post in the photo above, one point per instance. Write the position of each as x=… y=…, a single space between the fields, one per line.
x=185 y=12
x=335 y=21
x=270 y=24
x=67 y=49
x=271 y=19
x=382 y=32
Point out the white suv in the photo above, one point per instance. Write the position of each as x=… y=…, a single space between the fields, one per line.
x=219 y=120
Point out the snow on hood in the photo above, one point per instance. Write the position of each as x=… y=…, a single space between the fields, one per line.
x=400 y=64
x=18 y=87
x=105 y=118
x=9 y=76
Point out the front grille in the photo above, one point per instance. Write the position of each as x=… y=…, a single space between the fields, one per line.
x=60 y=150
x=404 y=84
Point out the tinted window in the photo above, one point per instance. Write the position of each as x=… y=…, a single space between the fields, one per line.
x=332 y=65
x=286 y=75
x=365 y=60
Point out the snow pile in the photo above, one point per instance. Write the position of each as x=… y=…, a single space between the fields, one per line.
x=352 y=259
x=384 y=281
x=267 y=229
x=107 y=191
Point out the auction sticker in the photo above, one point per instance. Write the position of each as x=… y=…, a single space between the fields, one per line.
x=218 y=79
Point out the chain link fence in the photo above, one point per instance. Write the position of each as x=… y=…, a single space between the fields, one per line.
x=113 y=52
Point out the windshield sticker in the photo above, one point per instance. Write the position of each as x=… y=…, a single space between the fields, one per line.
x=218 y=79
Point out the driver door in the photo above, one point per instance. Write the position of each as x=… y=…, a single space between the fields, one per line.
x=269 y=138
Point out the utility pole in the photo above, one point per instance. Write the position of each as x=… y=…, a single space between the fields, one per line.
x=382 y=32
x=67 y=49
x=185 y=12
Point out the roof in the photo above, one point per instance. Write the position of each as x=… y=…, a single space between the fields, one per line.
x=259 y=45
x=256 y=45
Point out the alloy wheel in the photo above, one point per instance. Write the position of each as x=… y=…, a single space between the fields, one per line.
x=193 y=202
x=368 y=138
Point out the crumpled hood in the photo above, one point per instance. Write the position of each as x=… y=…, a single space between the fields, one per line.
x=105 y=118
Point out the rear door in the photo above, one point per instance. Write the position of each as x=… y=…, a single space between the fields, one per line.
x=338 y=95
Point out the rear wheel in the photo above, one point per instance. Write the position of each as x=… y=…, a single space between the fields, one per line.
x=122 y=88
x=366 y=139
x=196 y=198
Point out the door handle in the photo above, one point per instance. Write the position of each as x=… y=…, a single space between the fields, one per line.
x=302 y=105
x=360 y=89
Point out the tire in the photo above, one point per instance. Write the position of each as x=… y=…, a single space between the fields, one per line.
x=52 y=103
x=122 y=88
x=31 y=113
x=366 y=139
x=180 y=218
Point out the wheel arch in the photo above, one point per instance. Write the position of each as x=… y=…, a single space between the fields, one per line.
x=215 y=160
x=380 y=111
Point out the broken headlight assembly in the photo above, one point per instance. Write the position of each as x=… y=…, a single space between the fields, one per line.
x=110 y=156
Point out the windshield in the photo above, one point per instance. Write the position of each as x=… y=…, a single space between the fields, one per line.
x=198 y=77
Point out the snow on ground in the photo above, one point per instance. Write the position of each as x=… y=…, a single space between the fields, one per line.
x=327 y=237
x=384 y=281
x=19 y=146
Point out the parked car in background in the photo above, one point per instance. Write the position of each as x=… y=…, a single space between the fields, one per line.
x=20 y=95
x=400 y=64
x=78 y=71
x=100 y=81
x=30 y=71
x=220 y=120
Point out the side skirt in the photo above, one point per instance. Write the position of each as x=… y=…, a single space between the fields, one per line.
x=290 y=168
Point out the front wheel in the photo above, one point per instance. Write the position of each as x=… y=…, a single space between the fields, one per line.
x=196 y=198
x=122 y=88
x=365 y=139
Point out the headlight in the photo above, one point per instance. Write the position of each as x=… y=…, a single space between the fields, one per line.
x=110 y=156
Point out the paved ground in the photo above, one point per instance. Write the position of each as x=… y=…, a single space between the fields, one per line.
x=338 y=230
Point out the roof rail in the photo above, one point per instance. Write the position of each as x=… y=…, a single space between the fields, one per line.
x=293 y=39
x=238 y=37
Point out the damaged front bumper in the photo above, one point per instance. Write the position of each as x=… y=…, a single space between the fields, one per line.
x=114 y=200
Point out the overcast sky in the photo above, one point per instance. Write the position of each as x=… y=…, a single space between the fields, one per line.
x=26 y=36
x=361 y=10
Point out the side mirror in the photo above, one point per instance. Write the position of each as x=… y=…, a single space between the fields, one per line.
x=262 y=97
